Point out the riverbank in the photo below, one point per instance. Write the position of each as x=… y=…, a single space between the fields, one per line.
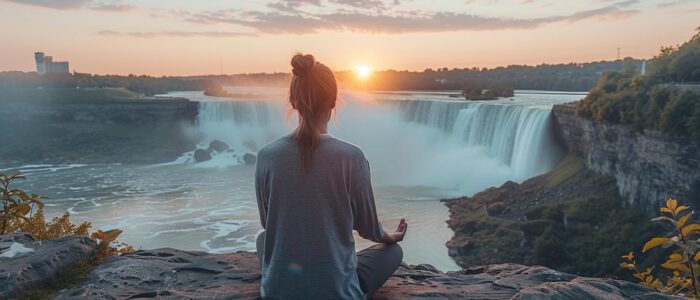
x=71 y=126
x=570 y=219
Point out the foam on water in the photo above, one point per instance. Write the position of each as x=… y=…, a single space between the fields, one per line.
x=410 y=139
x=27 y=169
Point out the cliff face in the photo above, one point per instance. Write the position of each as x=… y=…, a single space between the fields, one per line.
x=649 y=166
x=97 y=131
x=112 y=111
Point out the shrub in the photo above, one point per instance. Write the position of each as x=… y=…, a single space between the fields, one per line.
x=683 y=260
x=549 y=249
x=40 y=229
x=25 y=212
x=17 y=206
x=586 y=236
x=537 y=227
x=676 y=115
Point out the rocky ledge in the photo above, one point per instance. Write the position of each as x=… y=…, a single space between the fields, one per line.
x=175 y=274
x=26 y=264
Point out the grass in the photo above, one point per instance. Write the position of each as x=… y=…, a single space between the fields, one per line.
x=565 y=170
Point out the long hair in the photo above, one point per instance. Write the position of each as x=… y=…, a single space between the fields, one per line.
x=312 y=93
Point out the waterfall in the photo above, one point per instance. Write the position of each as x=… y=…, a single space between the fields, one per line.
x=244 y=125
x=518 y=135
x=456 y=145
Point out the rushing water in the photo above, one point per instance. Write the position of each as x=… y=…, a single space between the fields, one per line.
x=422 y=147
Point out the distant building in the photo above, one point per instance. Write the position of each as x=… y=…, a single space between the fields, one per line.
x=45 y=64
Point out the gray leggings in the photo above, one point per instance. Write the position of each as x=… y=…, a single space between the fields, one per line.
x=374 y=264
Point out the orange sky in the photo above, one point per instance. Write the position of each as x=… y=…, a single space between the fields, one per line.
x=208 y=37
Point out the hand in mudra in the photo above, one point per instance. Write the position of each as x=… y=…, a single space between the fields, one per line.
x=398 y=235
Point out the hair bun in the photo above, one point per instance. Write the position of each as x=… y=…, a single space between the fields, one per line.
x=302 y=64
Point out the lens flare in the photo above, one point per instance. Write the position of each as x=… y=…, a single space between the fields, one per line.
x=363 y=71
x=295 y=268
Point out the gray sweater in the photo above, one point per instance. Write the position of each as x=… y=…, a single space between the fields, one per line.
x=309 y=216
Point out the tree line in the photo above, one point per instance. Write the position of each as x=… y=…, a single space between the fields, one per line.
x=145 y=85
x=553 y=77
x=667 y=99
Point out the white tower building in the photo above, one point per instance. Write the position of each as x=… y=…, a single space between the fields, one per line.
x=45 y=64
x=40 y=63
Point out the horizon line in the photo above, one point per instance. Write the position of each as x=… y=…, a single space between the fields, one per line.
x=435 y=69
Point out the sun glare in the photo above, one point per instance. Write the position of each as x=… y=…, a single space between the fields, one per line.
x=363 y=71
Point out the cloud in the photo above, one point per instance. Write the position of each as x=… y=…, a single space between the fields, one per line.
x=294 y=21
x=294 y=5
x=114 y=6
x=670 y=3
x=55 y=4
x=268 y=22
x=611 y=12
x=290 y=4
x=169 y=13
x=369 y=4
x=175 y=33
x=441 y=21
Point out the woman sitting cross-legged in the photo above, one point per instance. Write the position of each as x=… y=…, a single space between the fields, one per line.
x=313 y=190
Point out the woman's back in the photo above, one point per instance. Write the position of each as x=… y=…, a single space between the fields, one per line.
x=309 y=215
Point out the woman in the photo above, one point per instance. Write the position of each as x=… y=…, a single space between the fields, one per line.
x=313 y=190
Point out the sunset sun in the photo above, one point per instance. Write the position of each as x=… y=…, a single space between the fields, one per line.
x=363 y=71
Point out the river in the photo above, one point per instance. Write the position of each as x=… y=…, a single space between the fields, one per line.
x=422 y=147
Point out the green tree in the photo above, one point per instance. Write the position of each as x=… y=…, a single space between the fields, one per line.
x=677 y=113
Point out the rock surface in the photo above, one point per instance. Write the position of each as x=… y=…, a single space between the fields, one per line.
x=175 y=274
x=171 y=273
x=201 y=155
x=26 y=263
x=249 y=158
x=649 y=166
x=218 y=146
